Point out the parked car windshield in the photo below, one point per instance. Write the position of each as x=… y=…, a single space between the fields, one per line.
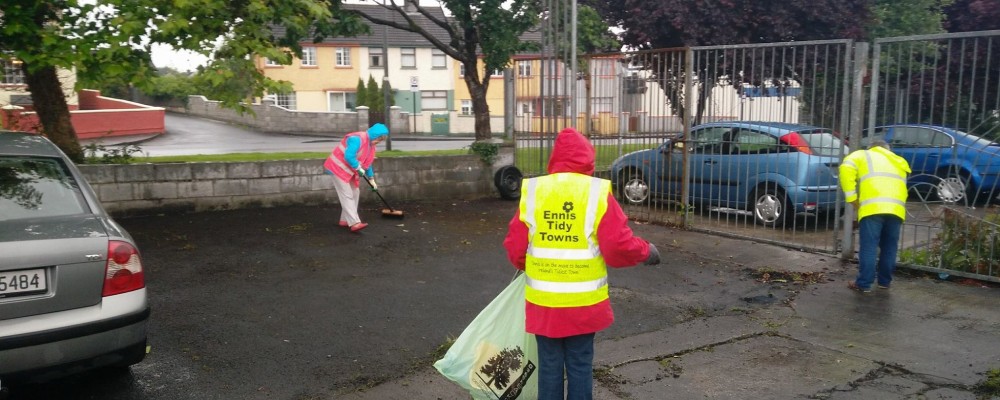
x=824 y=143
x=32 y=187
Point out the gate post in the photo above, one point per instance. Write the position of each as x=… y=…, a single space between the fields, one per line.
x=856 y=111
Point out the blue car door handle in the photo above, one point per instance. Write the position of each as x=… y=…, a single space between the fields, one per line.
x=710 y=162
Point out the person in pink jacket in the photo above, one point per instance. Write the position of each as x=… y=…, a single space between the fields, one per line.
x=352 y=158
x=566 y=232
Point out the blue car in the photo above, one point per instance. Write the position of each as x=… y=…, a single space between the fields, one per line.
x=954 y=165
x=774 y=170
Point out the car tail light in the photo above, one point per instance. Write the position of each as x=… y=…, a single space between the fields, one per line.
x=123 y=272
x=795 y=140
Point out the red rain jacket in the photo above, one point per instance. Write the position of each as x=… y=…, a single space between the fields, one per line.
x=574 y=153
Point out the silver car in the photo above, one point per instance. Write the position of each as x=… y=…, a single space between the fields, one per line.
x=72 y=290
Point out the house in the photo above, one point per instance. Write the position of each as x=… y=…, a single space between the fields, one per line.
x=14 y=87
x=326 y=77
x=427 y=85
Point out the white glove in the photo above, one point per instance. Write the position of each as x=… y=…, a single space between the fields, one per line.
x=360 y=169
x=374 y=185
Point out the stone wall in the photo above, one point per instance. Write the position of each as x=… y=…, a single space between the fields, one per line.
x=145 y=189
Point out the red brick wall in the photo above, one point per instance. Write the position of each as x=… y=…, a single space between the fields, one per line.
x=97 y=117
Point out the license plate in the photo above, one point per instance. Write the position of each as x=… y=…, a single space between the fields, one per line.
x=23 y=282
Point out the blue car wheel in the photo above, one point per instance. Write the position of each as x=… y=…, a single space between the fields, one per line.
x=634 y=188
x=770 y=206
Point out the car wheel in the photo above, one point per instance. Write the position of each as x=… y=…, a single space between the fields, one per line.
x=954 y=188
x=508 y=182
x=634 y=188
x=770 y=207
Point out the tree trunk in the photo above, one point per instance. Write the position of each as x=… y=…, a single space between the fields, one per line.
x=53 y=113
x=480 y=108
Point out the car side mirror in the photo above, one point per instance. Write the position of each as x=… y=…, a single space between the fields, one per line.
x=667 y=146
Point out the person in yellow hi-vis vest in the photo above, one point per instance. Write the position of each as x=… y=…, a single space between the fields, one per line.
x=566 y=232
x=874 y=182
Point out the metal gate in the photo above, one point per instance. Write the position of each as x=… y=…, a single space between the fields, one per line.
x=731 y=176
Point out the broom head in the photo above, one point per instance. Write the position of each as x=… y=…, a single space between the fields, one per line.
x=390 y=213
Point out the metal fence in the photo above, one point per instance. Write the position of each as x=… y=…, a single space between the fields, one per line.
x=745 y=140
x=935 y=99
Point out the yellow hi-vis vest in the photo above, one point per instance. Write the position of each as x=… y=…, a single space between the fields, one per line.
x=876 y=178
x=563 y=264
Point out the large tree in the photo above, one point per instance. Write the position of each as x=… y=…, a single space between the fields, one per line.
x=491 y=29
x=113 y=39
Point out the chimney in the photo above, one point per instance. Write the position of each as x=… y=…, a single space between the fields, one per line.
x=410 y=6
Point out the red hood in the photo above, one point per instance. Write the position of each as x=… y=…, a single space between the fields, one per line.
x=572 y=152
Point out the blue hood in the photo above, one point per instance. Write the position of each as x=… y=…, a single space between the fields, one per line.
x=377 y=131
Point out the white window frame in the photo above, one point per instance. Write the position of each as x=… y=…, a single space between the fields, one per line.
x=287 y=101
x=271 y=63
x=308 y=56
x=343 y=57
x=461 y=69
x=376 y=57
x=434 y=100
x=439 y=60
x=466 y=107
x=341 y=100
x=524 y=68
x=496 y=73
x=525 y=107
x=408 y=55
x=12 y=73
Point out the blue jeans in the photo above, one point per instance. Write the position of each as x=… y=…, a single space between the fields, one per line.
x=878 y=233
x=575 y=356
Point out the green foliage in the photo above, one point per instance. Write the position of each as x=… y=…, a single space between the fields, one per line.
x=100 y=154
x=487 y=151
x=965 y=243
x=989 y=387
x=362 y=94
x=392 y=98
x=904 y=18
x=111 y=41
x=593 y=35
x=374 y=96
x=173 y=86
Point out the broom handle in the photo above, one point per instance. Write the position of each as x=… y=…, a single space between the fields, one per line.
x=377 y=193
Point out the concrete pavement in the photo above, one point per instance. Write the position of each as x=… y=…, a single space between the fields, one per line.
x=922 y=339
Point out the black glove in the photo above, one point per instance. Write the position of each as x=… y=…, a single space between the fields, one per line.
x=654 y=255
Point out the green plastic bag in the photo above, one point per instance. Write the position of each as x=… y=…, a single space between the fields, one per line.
x=494 y=358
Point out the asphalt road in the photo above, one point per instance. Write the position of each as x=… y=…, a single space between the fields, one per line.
x=282 y=303
x=187 y=135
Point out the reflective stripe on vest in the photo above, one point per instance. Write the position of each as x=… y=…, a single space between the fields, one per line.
x=336 y=162
x=563 y=263
x=881 y=187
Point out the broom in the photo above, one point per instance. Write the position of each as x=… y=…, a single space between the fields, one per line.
x=387 y=212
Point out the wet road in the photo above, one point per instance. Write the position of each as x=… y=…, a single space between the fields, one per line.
x=186 y=135
x=282 y=303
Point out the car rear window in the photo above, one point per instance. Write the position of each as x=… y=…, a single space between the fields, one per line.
x=824 y=143
x=32 y=187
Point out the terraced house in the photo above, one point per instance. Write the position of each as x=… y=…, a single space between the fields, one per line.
x=427 y=85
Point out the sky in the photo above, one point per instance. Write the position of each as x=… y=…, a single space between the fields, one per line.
x=184 y=61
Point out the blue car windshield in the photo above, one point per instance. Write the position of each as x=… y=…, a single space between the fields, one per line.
x=824 y=143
